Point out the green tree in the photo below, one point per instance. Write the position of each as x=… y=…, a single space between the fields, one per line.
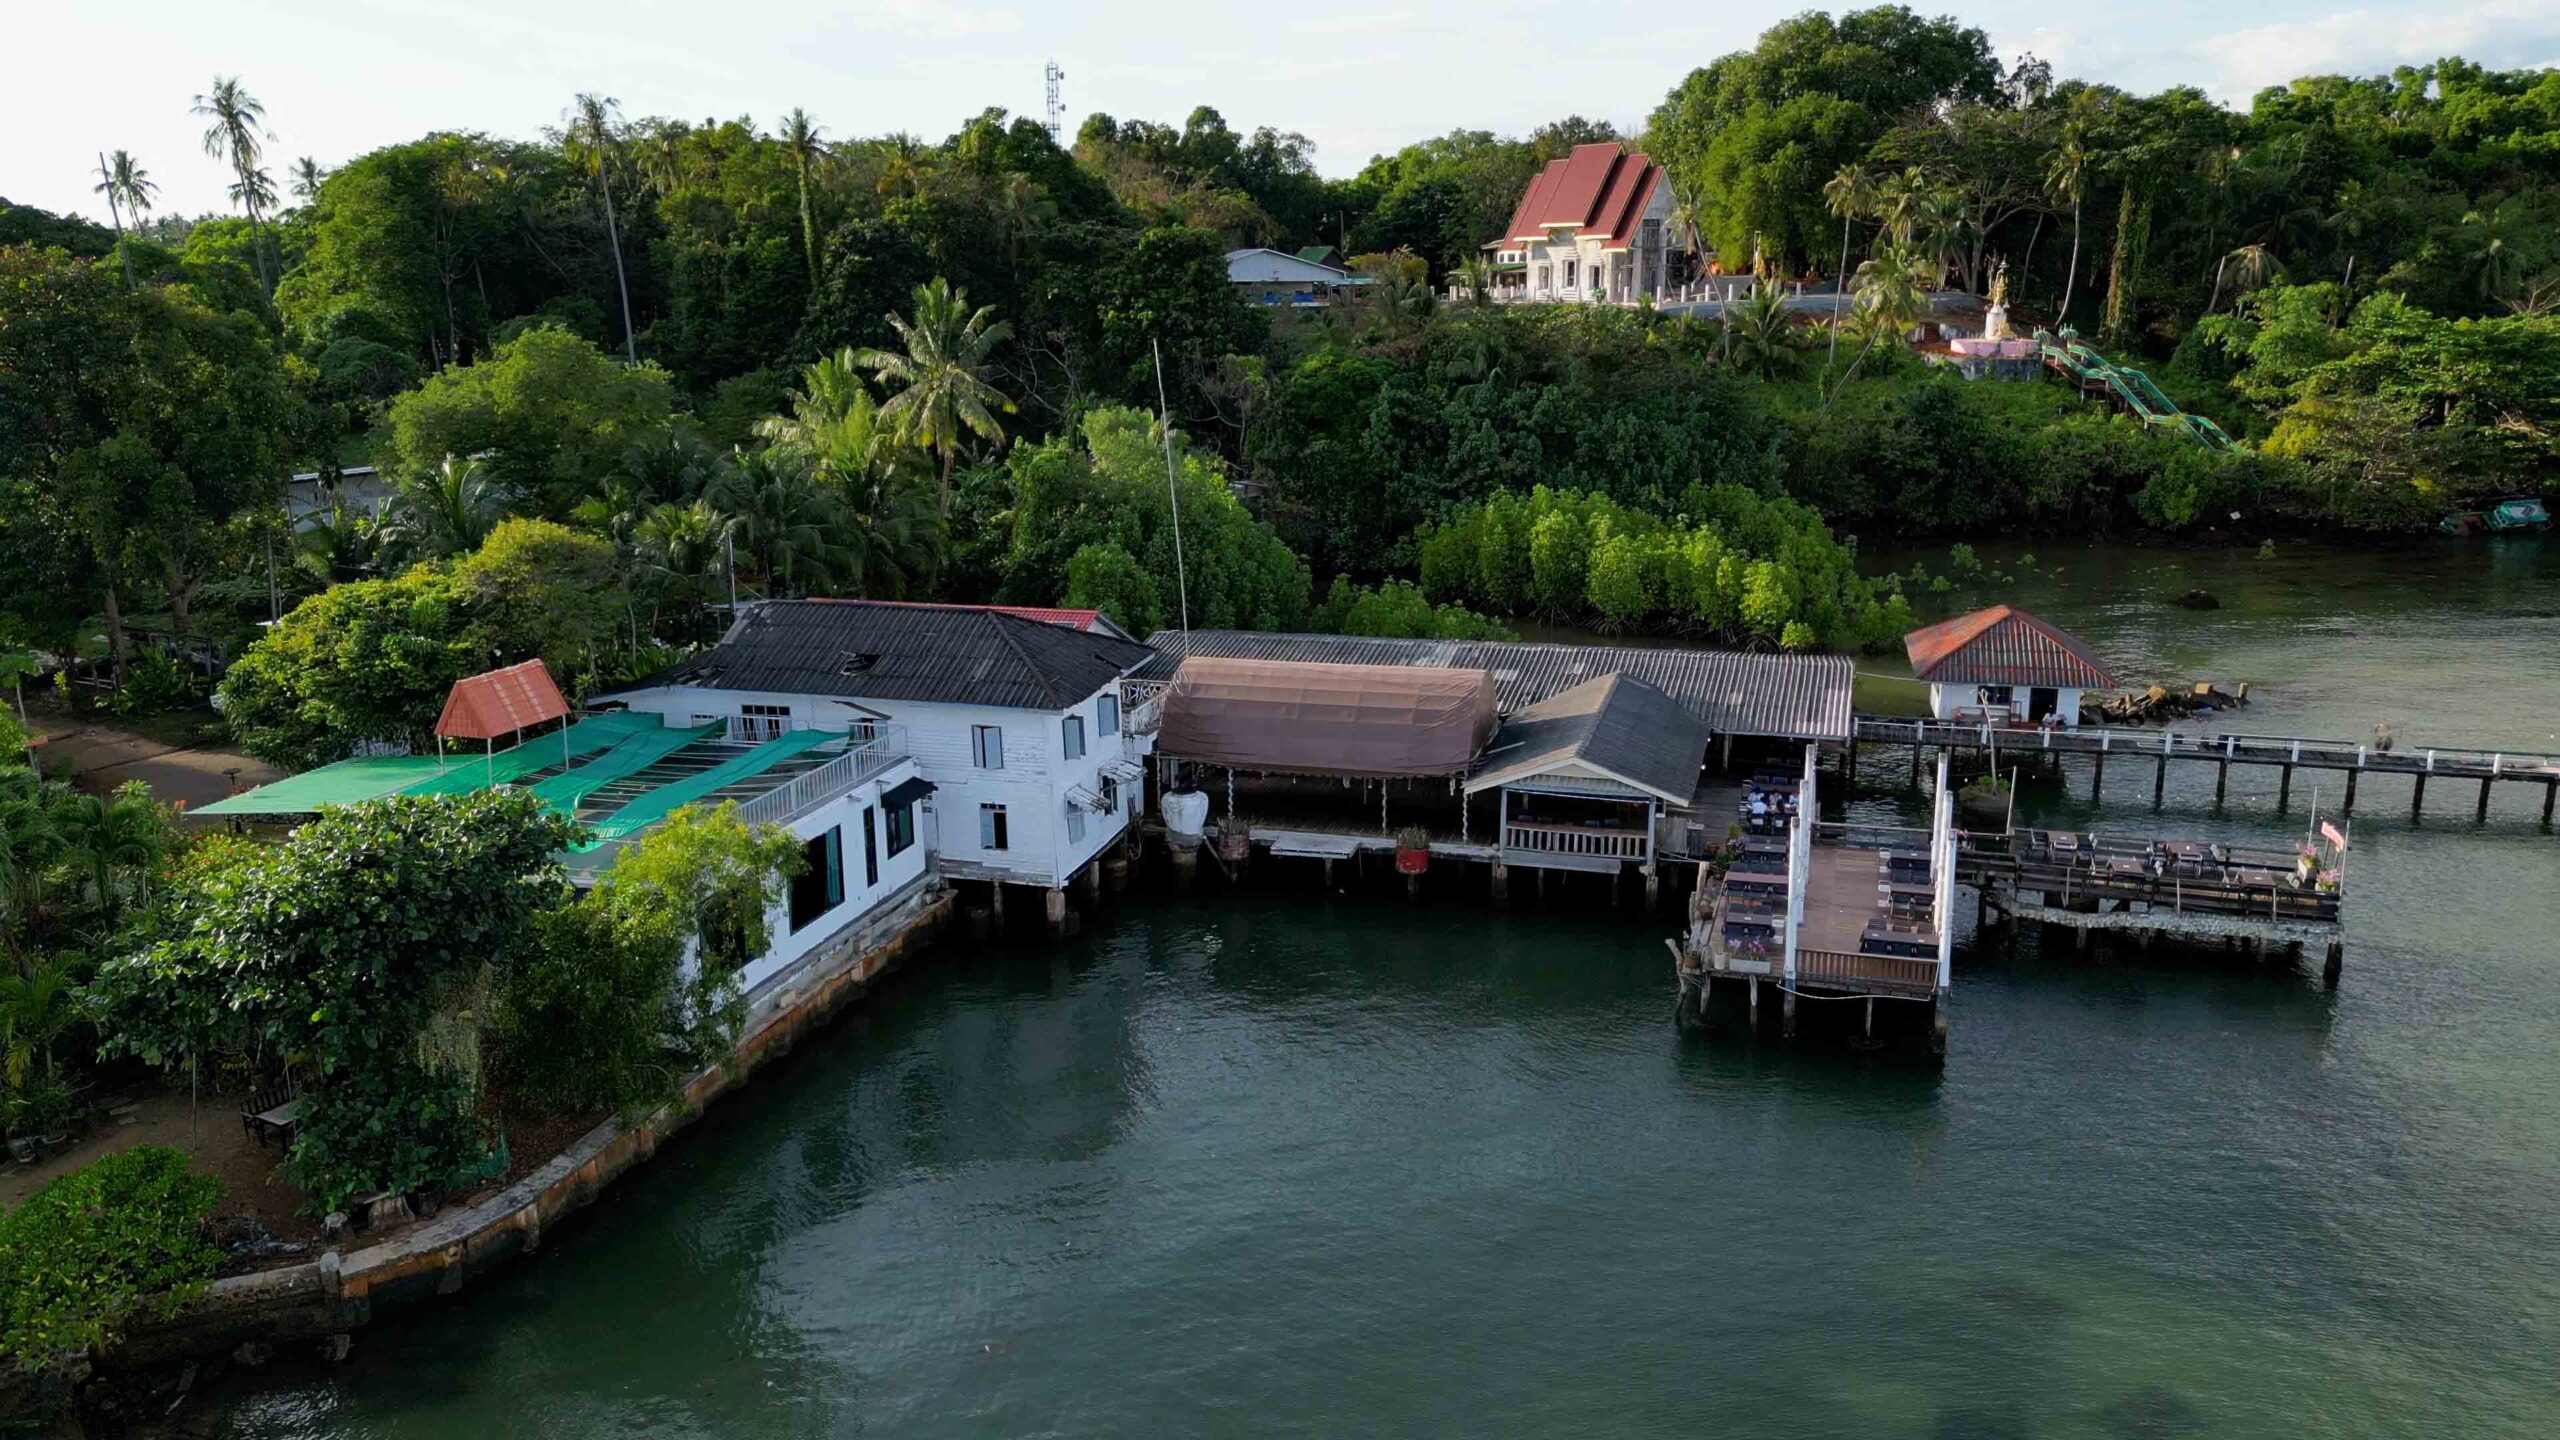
x=940 y=371
x=548 y=415
x=592 y=126
x=129 y=191
x=800 y=141
x=234 y=134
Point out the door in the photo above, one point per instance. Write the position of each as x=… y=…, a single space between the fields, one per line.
x=2041 y=702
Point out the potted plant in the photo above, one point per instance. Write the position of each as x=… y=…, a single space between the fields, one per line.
x=45 y=1111
x=1413 y=850
x=22 y=1144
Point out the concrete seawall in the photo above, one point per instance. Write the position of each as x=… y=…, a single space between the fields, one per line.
x=341 y=1290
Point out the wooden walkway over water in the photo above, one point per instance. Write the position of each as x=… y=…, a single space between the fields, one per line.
x=2490 y=768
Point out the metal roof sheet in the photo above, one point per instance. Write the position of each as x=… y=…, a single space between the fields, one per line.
x=500 y=702
x=1795 y=697
x=2004 y=645
x=863 y=649
x=1616 y=724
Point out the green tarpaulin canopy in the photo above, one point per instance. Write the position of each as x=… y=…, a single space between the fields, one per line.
x=350 y=782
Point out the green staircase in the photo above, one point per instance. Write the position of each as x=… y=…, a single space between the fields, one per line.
x=2132 y=390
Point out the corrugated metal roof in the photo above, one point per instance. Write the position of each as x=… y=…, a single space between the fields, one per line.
x=859 y=649
x=1617 y=724
x=500 y=702
x=1796 y=697
x=2004 y=645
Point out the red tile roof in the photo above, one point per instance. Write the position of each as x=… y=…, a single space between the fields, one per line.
x=2004 y=645
x=1600 y=189
x=501 y=702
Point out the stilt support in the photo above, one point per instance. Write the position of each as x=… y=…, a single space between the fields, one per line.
x=2418 y=795
x=2221 y=782
x=2550 y=792
x=995 y=903
x=2481 y=815
x=2335 y=961
x=1055 y=913
x=2350 y=806
x=1412 y=887
x=1652 y=890
x=1787 y=1014
x=2098 y=777
x=1501 y=882
x=2284 y=788
x=2159 y=780
x=1186 y=865
x=1755 y=1004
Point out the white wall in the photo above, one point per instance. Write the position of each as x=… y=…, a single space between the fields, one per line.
x=1032 y=786
x=1946 y=700
x=845 y=812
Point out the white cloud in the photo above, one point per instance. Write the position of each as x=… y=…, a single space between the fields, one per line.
x=2502 y=34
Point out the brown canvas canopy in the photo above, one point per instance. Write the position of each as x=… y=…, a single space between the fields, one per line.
x=1379 y=721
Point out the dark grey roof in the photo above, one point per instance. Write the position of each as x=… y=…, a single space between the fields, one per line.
x=858 y=649
x=1794 y=697
x=1617 y=724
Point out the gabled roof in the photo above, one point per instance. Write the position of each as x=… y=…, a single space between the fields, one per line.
x=1259 y=266
x=1601 y=190
x=1616 y=727
x=1067 y=615
x=1320 y=255
x=2004 y=645
x=879 y=650
x=1307 y=719
x=500 y=702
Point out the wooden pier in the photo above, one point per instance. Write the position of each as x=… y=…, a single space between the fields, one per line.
x=2488 y=768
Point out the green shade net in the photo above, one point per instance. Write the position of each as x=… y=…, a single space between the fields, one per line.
x=647 y=809
x=636 y=753
x=351 y=782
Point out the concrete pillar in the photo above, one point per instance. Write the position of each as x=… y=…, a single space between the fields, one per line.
x=2418 y=795
x=1871 y=1017
x=1186 y=866
x=1501 y=882
x=2333 y=962
x=2284 y=788
x=1652 y=889
x=1115 y=870
x=2550 y=792
x=995 y=903
x=1725 y=764
x=2097 y=776
x=1092 y=878
x=2481 y=815
x=1542 y=881
x=2159 y=780
x=2221 y=782
x=1787 y=1014
x=1755 y=1004
x=1328 y=872
x=1938 y=1024
x=2352 y=777
x=1055 y=916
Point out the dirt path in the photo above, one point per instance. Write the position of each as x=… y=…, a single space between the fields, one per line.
x=102 y=757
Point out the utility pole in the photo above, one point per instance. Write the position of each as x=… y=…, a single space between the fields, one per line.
x=1173 y=492
x=1057 y=103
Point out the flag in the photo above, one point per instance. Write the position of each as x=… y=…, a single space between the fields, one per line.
x=2333 y=834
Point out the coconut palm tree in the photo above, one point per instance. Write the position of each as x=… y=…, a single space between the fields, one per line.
x=254 y=191
x=306 y=176
x=448 y=512
x=1758 y=334
x=1851 y=194
x=1892 y=293
x=2250 y=268
x=888 y=523
x=943 y=394
x=2066 y=181
x=1023 y=210
x=2486 y=245
x=591 y=124
x=31 y=842
x=115 y=840
x=788 y=524
x=129 y=191
x=238 y=125
x=800 y=141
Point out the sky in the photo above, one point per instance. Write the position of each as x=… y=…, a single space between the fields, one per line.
x=340 y=77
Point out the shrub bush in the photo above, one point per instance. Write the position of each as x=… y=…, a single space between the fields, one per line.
x=109 y=1243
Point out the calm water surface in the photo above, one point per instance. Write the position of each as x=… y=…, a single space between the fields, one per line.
x=1289 y=1164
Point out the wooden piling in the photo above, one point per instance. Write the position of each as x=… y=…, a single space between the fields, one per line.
x=1755 y=1004
x=1501 y=883
x=2351 y=791
x=2418 y=795
x=2159 y=779
x=2480 y=816
x=2097 y=776
x=2333 y=963
x=996 y=904
x=2550 y=792
x=2284 y=789
x=1787 y=1014
x=1915 y=764
x=2221 y=782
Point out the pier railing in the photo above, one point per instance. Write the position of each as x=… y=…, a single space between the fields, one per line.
x=1601 y=841
x=2234 y=747
x=1839 y=967
x=805 y=792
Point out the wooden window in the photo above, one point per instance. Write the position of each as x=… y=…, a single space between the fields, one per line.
x=1075 y=823
x=901 y=825
x=986 y=746
x=1071 y=734
x=1107 y=710
x=992 y=832
x=819 y=887
x=763 y=722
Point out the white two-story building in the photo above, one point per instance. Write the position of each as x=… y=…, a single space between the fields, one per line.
x=1013 y=721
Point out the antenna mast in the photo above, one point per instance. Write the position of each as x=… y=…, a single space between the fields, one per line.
x=1057 y=107
x=1173 y=492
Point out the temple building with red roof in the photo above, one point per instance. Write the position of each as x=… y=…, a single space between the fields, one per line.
x=1592 y=226
x=2005 y=666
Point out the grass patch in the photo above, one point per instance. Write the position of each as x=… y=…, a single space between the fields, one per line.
x=1894 y=695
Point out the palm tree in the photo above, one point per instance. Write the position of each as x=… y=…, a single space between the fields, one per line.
x=1757 y=331
x=2066 y=180
x=1898 y=199
x=944 y=393
x=114 y=837
x=1892 y=294
x=1686 y=212
x=800 y=141
x=30 y=842
x=238 y=121
x=591 y=122
x=680 y=543
x=129 y=191
x=1851 y=193
x=1023 y=209
x=889 y=528
x=791 y=526
x=306 y=176
x=2488 y=248
x=2250 y=267
x=448 y=512
x=254 y=191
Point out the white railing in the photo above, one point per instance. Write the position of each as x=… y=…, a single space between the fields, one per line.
x=807 y=791
x=1574 y=840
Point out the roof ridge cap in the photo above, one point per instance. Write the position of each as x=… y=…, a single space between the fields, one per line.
x=1047 y=684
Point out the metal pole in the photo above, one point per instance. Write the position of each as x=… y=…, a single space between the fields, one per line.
x=1173 y=492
